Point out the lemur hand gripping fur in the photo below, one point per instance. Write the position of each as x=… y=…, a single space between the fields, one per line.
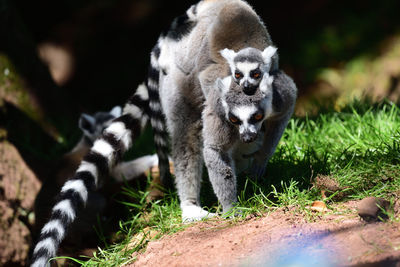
x=214 y=92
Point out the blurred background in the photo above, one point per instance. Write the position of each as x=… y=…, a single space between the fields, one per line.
x=61 y=58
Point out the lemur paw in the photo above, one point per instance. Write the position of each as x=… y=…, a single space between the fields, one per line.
x=192 y=213
x=232 y=212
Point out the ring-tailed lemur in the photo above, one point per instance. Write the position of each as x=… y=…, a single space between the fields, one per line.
x=92 y=127
x=194 y=100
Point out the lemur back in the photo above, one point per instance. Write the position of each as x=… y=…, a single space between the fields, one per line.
x=194 y=103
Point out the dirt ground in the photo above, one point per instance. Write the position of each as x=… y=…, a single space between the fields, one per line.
x=280 y=238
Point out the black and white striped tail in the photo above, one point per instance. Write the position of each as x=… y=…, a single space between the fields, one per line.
x=106 y=152
x=157 y=119
x=180 y=27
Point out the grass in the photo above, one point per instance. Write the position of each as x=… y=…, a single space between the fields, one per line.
x=357 y=148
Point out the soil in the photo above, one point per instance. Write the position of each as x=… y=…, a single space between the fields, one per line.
x=281 y=238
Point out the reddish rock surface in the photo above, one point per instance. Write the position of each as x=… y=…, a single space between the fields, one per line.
x=18 y=189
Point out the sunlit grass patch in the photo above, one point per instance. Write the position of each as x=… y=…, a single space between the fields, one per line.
x=356 y=149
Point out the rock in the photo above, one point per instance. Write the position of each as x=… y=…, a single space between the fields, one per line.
x=18 y=188
x=373 y=209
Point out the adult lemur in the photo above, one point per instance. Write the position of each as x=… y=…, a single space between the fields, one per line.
x=196 y=97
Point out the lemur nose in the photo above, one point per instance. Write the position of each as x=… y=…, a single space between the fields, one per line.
x=249 y=89
x=248 y=137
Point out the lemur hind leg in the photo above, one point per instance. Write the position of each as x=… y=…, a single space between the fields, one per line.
x=184 y=124
x=188 y=165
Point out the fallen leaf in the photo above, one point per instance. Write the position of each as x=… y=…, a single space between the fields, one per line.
x=318 y=206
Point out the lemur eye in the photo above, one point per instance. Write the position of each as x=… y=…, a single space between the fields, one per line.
x=234 y=119
x=258 y=116
x=238 y=75
x=255 y=74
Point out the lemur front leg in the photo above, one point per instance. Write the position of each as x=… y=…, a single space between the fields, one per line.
x=222 y=176
x=219 y=139
x=283 y=101
x=273 y=133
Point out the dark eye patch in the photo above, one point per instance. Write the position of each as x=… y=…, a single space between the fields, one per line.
x=255 y=74
x=257 y=117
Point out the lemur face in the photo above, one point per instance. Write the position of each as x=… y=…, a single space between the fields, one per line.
x=248 y=66
x=246 y=113
x=248 y=120
x=247 y=74
x=93 y=126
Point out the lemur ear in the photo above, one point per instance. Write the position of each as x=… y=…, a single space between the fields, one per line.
x=228 y=54
x=223 y=85
x=116 y=111
x=268 y=53
x=87 y=123
x=266 y=84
